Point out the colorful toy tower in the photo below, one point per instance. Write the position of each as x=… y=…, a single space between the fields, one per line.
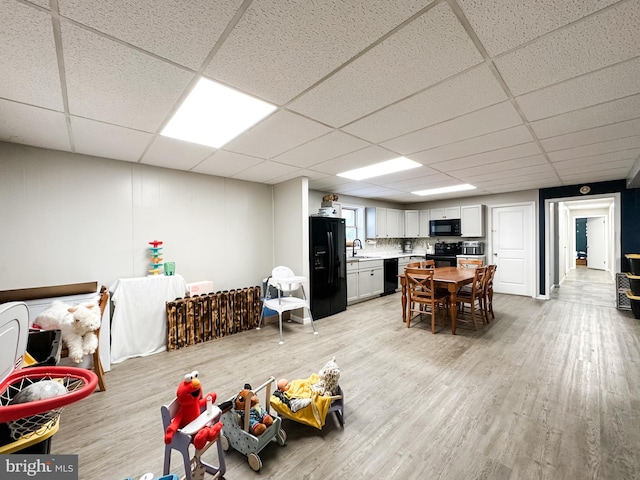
x=155 y=257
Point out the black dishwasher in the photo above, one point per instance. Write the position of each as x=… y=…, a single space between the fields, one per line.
x=390 y=275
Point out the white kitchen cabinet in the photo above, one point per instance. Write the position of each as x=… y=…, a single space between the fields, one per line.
x=365 y=279
x=423 y=223
x=352 y=281
x=370 y=279
x=376 y=222
x=472 y=220
x=411 y=223
x=395 y=223
x=449 y=212
x=384 y=222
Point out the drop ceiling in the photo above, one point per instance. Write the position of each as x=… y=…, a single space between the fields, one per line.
x=505 y=95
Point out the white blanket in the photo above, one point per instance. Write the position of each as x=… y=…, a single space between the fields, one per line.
x=139 y=323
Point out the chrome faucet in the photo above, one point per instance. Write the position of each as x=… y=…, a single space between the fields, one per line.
x=353 y=244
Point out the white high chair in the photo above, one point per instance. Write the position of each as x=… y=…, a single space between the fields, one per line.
x=286 y=284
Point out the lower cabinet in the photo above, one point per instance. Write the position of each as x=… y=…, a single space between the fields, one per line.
x=365 y=279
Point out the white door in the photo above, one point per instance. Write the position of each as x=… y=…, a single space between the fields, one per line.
x=512 y=245
x=596 y=251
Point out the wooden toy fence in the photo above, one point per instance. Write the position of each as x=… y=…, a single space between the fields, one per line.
x=197 y=319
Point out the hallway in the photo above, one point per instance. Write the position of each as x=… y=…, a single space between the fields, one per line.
x=587 y=286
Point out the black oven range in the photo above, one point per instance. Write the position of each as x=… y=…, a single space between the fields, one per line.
x=445 y=254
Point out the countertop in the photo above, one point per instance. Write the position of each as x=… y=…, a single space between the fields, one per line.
x=362 y=256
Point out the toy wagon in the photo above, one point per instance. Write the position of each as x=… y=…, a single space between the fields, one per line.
x=239 y=437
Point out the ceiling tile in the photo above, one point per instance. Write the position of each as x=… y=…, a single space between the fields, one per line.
x=602 y=147
x=604 y=114
x=172 y=153
x=596 y=167
x=494 y=176
x=320 y=149
x=328 y=182
x=433 y=47
x=101 y=139
x=28 y=52
x=504 y=24
x=593 y=135
x=472 y=90
x=226 y=164
x=264 y=172
x=360 y=158
x=513 y=164
x=484 y=143
x=393 y=178
x=591 y=177
x=422 y=182
x=297 y=173
x=33 y=126
x=276 y=134
x=603 y=158
x=480 y=122
x=41 y=3
x=578 y=49
x=517 y=151
x=115 y=84
x=602 y=86
x=156 y=25
x=525 y=185
x=292 y=38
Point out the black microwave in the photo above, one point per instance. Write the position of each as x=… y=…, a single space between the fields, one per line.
x=448 y=227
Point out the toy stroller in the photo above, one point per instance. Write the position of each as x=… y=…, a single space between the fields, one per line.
x=239 y=437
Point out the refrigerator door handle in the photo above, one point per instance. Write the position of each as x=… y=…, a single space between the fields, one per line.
x=330 y=241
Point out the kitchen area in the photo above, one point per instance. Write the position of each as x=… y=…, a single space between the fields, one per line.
x=396 y=237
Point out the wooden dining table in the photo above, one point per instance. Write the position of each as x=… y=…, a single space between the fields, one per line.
x=451 y=278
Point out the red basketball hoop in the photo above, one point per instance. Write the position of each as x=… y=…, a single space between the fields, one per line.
x=28 y=417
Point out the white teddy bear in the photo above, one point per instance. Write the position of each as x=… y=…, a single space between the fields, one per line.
x=77 y=324
x=328 y=379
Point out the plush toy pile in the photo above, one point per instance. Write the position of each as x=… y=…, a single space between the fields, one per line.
x=259 y=419
x=77 y=325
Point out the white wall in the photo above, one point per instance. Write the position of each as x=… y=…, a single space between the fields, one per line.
x=70 y=218
x=291 y=225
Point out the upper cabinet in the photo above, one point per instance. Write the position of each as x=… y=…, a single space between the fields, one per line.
x=411 y=223
x=384 y=222
x=416 y=223
x=395 y=223
x=472 y=220
x=449 y=212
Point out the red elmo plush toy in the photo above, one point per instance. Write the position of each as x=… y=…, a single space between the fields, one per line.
x=191 y=404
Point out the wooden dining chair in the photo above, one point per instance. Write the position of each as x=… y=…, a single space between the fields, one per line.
x=470 y=262
x=488 y=292
x=474 y=298
x=423 y=297
x=422 y=264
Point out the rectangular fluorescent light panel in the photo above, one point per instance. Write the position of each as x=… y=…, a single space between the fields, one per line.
x=213 y=114
x=436 y=191
x=384 y=168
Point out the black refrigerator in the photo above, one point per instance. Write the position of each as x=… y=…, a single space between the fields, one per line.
x=327 y=251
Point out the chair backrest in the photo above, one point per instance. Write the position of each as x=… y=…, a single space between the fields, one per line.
x=469 y=262
x=479 y=279
x=491 y=271
x=282 y=272
x=420 y=283
x=422 y=264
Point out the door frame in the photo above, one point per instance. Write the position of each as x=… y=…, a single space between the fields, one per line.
x=533 y=258
x=615 y=226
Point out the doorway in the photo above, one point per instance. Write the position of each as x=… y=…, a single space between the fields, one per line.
x=564 y=258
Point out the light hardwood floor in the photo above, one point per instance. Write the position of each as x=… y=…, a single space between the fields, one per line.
x=548 y=390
